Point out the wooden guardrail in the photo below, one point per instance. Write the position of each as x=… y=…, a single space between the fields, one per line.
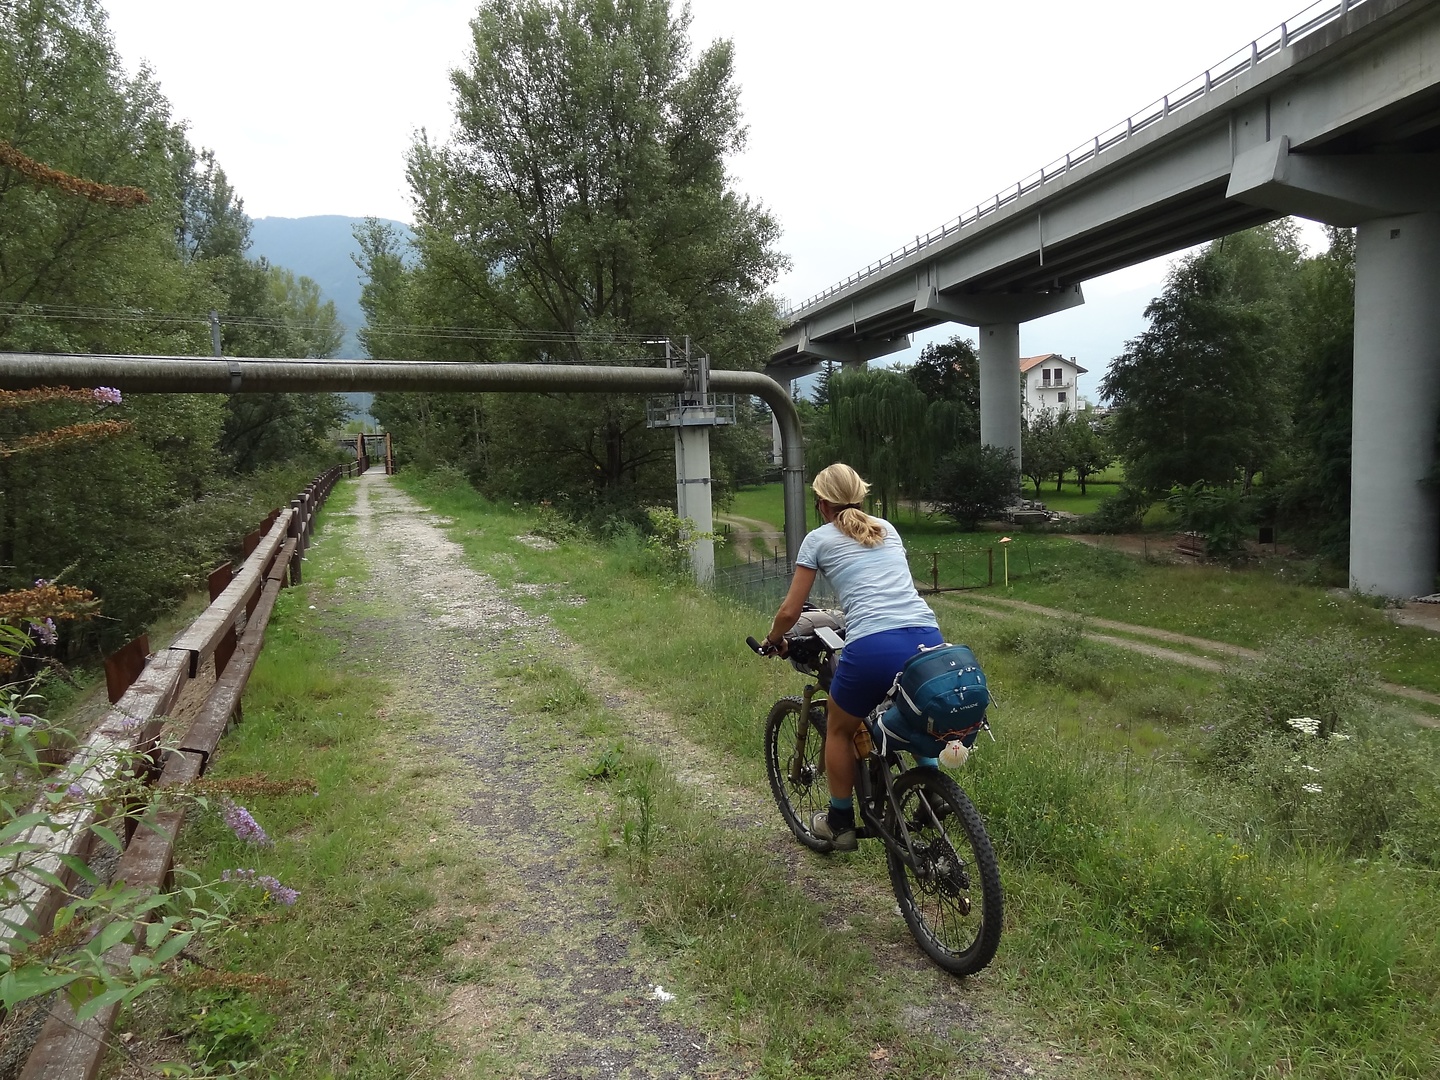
x=230 y=631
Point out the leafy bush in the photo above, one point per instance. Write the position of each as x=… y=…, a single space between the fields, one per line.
x=973 y=483
x=1054 y=651
x=1221 y=515
x=1308 y=752
x=671 y=539
x=1327 y=678
x=1118 y=513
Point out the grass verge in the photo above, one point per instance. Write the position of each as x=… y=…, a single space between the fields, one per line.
x=346 y=981
x=1149 y=920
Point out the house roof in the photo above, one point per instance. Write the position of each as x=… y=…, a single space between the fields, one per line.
x=1028 y=362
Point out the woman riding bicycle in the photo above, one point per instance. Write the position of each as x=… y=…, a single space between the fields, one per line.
x=886 y=623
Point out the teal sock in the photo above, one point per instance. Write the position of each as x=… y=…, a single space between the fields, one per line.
x=841 y=814
x=927 y=762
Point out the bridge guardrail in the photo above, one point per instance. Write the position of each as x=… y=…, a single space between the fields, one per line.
x=1317 y=15
x=231 y=631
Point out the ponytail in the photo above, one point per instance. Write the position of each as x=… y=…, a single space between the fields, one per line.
x=860 y=526
x=842 y=487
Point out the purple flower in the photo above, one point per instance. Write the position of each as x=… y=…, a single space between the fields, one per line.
x=41 y=582
x=281 y=894
x=23 y=720
x=76 y=791
x=243 y=825
x=45 y=631
x=106 y=395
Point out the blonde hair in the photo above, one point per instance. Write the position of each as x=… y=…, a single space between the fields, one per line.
x=842 y=487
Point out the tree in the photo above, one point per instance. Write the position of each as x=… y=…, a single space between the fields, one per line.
x=876 y=425
x=69 y=258
x=582 y=208
x=950 y=371
x=1044 y=441
x=973 y=483
x=948 y=374
x=1087 y=450
x=1317 y=495
x=1203 y=394
x=116 y=236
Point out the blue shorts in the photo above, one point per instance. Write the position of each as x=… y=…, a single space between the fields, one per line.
x=867 y=667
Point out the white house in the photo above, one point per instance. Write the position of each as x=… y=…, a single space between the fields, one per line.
x=1049 y=382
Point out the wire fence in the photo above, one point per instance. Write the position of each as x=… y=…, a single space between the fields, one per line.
x=953 y=571
x=761 y=583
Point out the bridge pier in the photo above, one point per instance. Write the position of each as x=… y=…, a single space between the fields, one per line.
x=1394 y=513
x=1000 y=388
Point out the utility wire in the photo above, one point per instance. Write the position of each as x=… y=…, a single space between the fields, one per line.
x=466 y=333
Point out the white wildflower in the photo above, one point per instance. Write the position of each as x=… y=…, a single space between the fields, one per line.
x=1310 y=768
x=1305 y=725
x=1335 y=736
x=1312 y=789
x=659 y=993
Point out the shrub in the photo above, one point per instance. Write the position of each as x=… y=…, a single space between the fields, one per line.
x=1308 y=752
x=1221 y=515
x=1327 y=679
x=1121 y=512
x=973 y=483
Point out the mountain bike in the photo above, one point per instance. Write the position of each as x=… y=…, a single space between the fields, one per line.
x=942 y=866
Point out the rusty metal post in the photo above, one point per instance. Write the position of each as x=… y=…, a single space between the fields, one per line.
x=294 y=532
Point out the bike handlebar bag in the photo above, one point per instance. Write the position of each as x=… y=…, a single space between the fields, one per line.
x=939 y=695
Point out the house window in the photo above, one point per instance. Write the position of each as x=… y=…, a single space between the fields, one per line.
x=1045 y=376
x=1060 y=397
x=1059 y=376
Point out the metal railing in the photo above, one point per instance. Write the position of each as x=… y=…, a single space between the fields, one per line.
x=1318 y=14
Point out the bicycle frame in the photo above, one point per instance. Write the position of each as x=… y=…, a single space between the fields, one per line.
x=940 y=861
x=868 y=762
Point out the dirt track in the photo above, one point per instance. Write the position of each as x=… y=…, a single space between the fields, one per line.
x=564 y=984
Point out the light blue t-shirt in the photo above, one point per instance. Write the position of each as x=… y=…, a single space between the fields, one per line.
x=873 y=584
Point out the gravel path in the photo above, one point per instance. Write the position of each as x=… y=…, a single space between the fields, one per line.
x=559 y=988
x=558 y=982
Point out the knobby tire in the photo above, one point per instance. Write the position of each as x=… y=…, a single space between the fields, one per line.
x=798 y=786
x=954 y=905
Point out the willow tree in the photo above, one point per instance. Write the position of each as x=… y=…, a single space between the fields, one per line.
x=878 y=423
x=583 y=207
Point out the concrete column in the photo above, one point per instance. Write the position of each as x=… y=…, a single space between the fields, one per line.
x=1394 y=517
x=1000 y=387
x=692 y=494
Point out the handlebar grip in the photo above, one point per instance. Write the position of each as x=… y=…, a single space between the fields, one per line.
x=755 y=645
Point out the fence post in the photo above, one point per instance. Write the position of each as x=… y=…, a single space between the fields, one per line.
x=935 y=571
x=294 y=532
x=990 y=554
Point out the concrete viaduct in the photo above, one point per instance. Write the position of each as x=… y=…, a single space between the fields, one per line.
x=1334 y=116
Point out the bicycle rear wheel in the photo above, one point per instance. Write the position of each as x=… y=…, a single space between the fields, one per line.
x=796 y=769
x=951 y=900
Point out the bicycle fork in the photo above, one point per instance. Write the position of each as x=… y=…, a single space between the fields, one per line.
x=802 y=733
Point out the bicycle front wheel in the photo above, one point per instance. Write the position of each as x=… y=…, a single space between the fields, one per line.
x=795 y=763
x=951 y=898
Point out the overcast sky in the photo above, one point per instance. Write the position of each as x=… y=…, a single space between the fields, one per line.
x=869 y=121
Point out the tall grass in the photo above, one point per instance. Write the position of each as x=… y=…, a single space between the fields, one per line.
x=1152 y=919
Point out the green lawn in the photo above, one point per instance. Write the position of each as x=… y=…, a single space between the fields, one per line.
x=1243 y=606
